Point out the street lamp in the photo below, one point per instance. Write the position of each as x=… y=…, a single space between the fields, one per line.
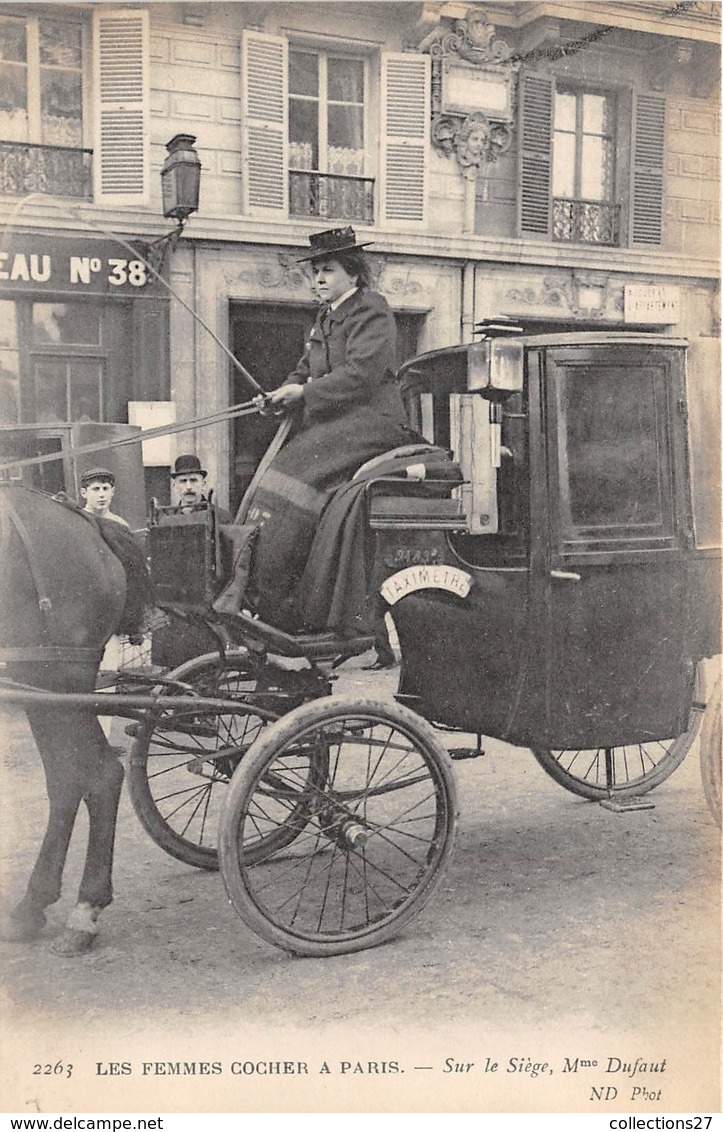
x=181 y=178
x=180 y=186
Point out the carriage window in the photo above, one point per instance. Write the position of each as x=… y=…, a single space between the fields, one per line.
x=613 y=454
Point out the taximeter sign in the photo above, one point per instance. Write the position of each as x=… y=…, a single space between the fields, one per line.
x=441 y=577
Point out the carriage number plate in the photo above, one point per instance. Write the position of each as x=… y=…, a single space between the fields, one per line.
x=413 y=556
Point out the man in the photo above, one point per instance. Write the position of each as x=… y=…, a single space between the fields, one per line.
x=188 y=488
x=97 y=488
x=178 y=642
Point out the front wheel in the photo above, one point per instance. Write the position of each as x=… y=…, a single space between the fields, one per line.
x=628 y=771
x=367 y=789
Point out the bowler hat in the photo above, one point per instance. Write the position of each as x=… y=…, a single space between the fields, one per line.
x=187 y=465
x=96 y=474
x=330 y=243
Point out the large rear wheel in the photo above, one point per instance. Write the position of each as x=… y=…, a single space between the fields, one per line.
x=597 y=773
x=711 y=752
x=368 y=790
x=181 y=761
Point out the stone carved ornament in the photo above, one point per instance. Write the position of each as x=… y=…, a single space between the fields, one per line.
x=472 y=39
x=287 y=274
x=566 y=292
x=474 y=139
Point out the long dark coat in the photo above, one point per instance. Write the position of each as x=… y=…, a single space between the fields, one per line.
x=349 y=360
x=351 y=411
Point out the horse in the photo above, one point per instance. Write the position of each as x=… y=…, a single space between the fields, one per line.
x=63 y=593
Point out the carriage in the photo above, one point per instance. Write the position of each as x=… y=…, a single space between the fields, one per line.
x=561 y=594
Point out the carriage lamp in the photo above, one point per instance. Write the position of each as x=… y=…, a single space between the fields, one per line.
x=494 y=369
x=180 y=188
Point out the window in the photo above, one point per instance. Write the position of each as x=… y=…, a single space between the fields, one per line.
x=41 y=107
x=45 y=92
x=327 y=94
x=306 y=130
x=583 y=167
x=67 y=362
x=614 y=450
x=41 y=81
x=610 y=474
x=583 y=163
x=582 y=150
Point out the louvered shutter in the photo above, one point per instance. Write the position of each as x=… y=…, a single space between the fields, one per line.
x=406 y=124
x=647 y=172
x=535 y=154
x=121 y=60
x=264 y=107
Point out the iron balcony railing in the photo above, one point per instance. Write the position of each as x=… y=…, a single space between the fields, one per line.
x=586 y=221
x=29 y=168
x=331 y=196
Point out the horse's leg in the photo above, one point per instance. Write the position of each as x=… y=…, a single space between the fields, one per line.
x=101 y=796
x=57 y=736
x=78 y=765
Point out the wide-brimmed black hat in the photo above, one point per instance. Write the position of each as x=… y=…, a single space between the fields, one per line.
x=187 y=465
x=330 y=243
x=101 y=474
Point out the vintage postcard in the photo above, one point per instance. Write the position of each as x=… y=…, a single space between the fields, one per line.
x=399 y=790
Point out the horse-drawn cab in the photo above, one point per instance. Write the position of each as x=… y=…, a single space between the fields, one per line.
x=568 y=601
x=557 y=591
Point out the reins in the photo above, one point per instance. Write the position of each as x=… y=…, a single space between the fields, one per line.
x=246 y=408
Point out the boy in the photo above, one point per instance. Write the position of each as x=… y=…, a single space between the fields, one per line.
x=97 y=488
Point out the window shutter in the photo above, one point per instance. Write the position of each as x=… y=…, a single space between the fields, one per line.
x=121 y=58
x=264 y=105
x=406 y=87
x=648 y=156
x=535 y=161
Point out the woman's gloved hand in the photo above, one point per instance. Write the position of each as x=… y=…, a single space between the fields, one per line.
x=285 y=397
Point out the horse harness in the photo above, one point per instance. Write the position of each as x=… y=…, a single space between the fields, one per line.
x=49 y=650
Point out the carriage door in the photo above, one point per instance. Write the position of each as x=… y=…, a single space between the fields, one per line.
x=618 y=521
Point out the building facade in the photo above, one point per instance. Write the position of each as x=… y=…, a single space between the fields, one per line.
x=553 y=162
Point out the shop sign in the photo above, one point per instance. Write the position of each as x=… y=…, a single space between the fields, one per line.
x=78 y=265
x=645 y=303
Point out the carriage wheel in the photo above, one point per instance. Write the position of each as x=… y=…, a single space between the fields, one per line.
x=181 y=763
x=368 y=789
x=621 y=772
x=710 y=753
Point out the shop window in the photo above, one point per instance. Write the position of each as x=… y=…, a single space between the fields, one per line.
x=68 y=389
x=68 y=323
x=9 y=365
x=68 y=359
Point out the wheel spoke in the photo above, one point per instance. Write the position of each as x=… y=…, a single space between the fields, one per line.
x=373 y=819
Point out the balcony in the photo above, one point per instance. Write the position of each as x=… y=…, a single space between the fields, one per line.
x=331 y=196
x=27 y=168
x=586 y=221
